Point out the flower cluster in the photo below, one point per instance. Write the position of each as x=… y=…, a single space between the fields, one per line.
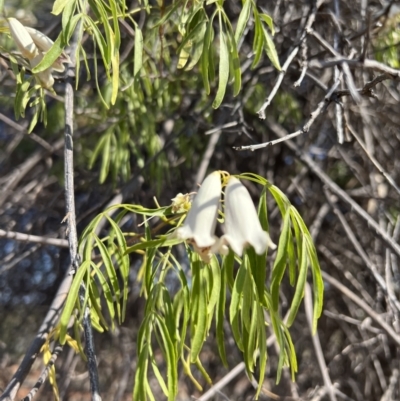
x=242 y=226
x=33 y=45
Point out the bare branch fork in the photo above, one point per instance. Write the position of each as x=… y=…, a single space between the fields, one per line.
x=322 y=105
x=292 y=55
x=331 y=96
x=335 y=189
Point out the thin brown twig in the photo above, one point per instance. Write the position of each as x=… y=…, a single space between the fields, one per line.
x=368 y=310
x=308 y=304
x=367 y=63
x=374 y=161
x=344 y=65
x=322 y=105
x=358 y=247
x=62 y=243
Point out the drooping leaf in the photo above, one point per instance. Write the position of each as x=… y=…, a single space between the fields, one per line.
x=301 y=283
x=271 y=50
x=223 y=69
x=59 y=5
x=138 y=52
x=243 y=19
x=51 y=56
x=71 y=300
x=199 y=310
x=280 y=262
x=269 y=21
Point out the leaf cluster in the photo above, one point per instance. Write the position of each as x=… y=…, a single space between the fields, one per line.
x=180 y=320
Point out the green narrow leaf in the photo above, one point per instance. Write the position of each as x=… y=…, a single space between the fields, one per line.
x=71 y=300
x=69 y=20
x=172 y=366
x=258 y=41
x=301 y=283
x=291 y=259
x=211 y=59
x=318 y=283
x=199 y=310
x=271 y=50
x=109 y=49
x=223 y=68
x=106 y=156
x=203 y=371
x=50 y=56
x=247 y=295
x=59 y=5
x=205 y=56
x=140 y=387
x=215 y=274
x=194 y=34
x=298 y=231
x=115 y=76
x=280 y=262
x=100 y=41
x=111 y=273
x=146 y=244
x=228 y=263
x=234 y=63
x=252 y=341
x=158 y=375
x=197 y=45
x=234 y=308
x=34 y=120
x=106 y=291
x=21 y=99
x=242 y=21
x=166 y=16
x=123 y=261
x=291 y=352
x=138 y=52
x=114 y=13
x=95 y=300
x=220 y=315
x=269 y=21
x=262 y=343
x=280 y=198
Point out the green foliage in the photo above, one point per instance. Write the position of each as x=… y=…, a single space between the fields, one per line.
x=179 y=321
x=133 y=93
x=29 y=94
x=386 y=46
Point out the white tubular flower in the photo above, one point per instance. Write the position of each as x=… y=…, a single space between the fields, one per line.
x=200 y=223
x=44 y=44
x=33 y=45
x=22 y=39
x=242 y=225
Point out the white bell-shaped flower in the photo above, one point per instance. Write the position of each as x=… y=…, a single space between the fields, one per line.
x=199 y=226
x=242 y=226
